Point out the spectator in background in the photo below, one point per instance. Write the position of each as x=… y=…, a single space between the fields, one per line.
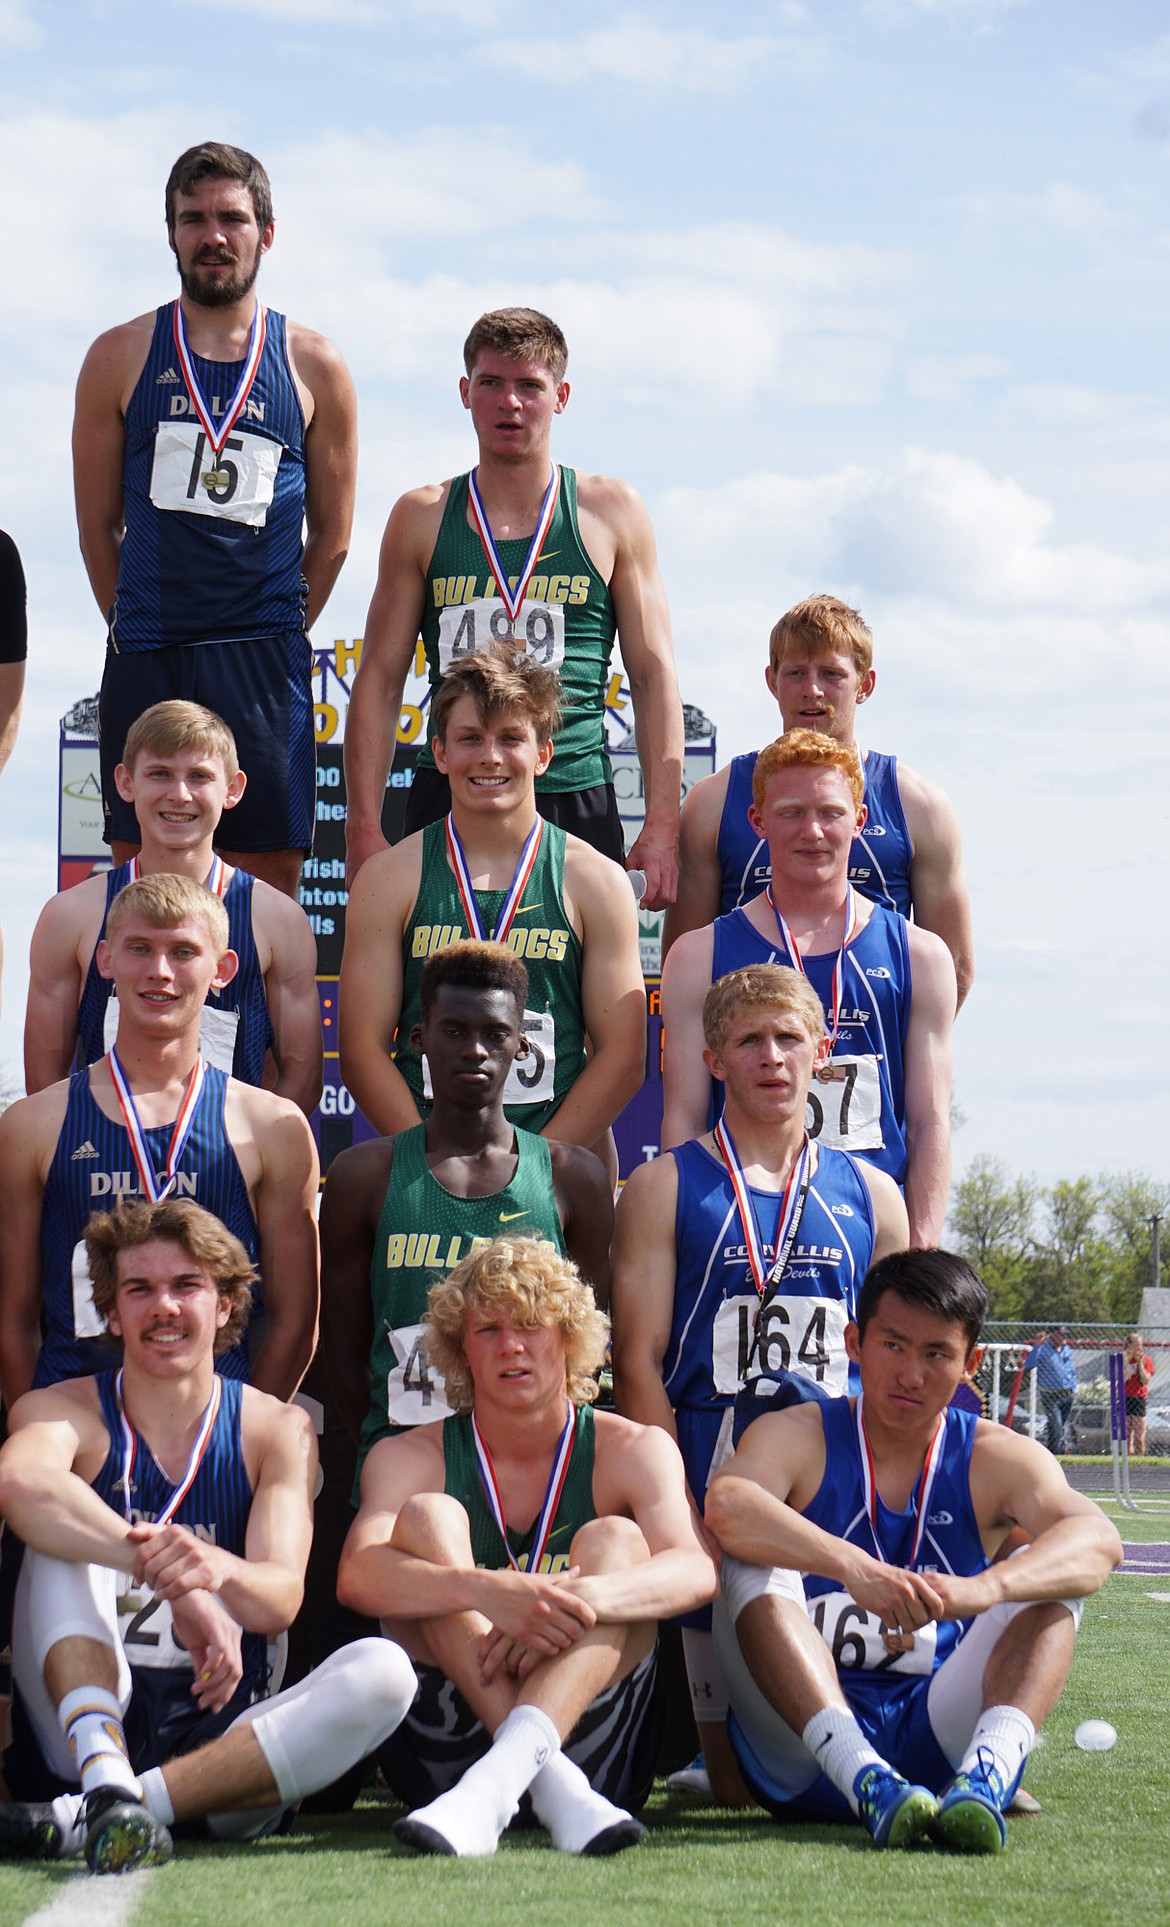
x=1056 y=1376
x=1139 y=1370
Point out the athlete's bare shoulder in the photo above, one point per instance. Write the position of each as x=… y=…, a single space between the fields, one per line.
x=117 y=357
x=29 y=1129
x=609 y=498
x=314 y=356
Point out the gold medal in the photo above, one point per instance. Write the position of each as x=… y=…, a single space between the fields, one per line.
x=214 y=478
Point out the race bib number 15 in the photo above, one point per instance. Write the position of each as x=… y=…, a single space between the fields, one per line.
x=234 y=486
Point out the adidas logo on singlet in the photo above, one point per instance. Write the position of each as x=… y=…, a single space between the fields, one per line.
x=85 y=1150
x=168 y=375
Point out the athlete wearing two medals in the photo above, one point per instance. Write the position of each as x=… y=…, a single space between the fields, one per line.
x=496 y=869
x=523 y=1552
x=887 y=986
x=215 y=455
x=737 y=1261
x=555 y=561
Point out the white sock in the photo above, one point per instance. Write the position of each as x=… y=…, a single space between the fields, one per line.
x=69 y=1813
x=91 y=1720
x=473 y=1815
x=1007 y=1734
x=154 y=1792
x=339 y=1713
x=840 y=1749
x=566 y=1804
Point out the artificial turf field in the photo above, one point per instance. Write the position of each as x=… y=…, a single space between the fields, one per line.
x=1099 y=1853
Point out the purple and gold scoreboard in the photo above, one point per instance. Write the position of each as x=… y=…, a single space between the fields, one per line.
x=323 y=896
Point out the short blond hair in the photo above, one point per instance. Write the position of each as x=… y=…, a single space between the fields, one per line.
x=807 y=749
x=208 y=1243
x=530 y=1284
x=760 y=987
x=164 y=902
x=171 y=727
x=822 y=623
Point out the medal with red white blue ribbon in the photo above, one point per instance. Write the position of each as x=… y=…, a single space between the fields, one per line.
x=132 y=1599
x=766 y=1278
x=552 y=1493
x=930 y=1468
x=788 y=1208
x=512 y=598
x=837 y=990
x=148 y=1177
x=514 y=892
x=217 y=437
x=216 y=880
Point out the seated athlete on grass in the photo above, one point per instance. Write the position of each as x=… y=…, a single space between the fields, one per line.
x=166 y=1513
x=878 y=1663
x=523 y=1552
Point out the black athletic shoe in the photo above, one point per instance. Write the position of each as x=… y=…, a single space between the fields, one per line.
x=29 y=1831
x=416 y=1833
x=121 y=1833
x=616 y=1838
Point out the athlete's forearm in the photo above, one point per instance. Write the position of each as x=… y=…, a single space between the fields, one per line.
x=1066 y=1561
x=321 y=564
x=20 y=1348
x=600 y=1094
x=379 y=1088
x=57 y=1513
x=928 y=1180
x=671 y=1582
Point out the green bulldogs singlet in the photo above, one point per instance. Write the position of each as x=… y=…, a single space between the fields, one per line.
x=575 y=1508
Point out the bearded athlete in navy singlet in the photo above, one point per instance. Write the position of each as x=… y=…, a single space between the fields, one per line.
x=206 y=437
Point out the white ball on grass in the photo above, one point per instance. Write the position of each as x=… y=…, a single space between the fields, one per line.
x=1095 y=1736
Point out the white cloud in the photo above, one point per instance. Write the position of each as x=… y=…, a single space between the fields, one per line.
x=636 y=52
x=1063 y=206
x=922 y=524
x=950 y=381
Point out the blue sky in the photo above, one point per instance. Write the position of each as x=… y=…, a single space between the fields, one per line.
x=867 y=296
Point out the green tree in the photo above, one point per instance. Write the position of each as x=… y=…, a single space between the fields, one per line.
x=1067 y=1278
x=991 y=1218
x=1129 y=1201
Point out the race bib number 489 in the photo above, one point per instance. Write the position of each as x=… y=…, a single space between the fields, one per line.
x=467 y=627
x=234 y=486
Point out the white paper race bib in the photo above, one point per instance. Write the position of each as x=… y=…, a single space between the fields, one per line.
x=844 y=1109
x=217 y=1033
x=244 y=474
x=854 y=1637
x=148 y=1632
x=466 y=627
x=801 y=1335
x=532 y=1078
x=414 y=1391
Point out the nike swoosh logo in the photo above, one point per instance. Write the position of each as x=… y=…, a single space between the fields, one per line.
x=549 y=555
x=524 y=908
x=506 y=1217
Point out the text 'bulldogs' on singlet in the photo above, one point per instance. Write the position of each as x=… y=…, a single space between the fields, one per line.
x=857 y=1100
x=218 y=560
x=423 y=1232
x=566 y=622
x=575 y=1507
x=93 y=1168
x=235 y=1031
x=542 y=935
x=950 y=1544
x=879 y=860
x=215 y=1508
